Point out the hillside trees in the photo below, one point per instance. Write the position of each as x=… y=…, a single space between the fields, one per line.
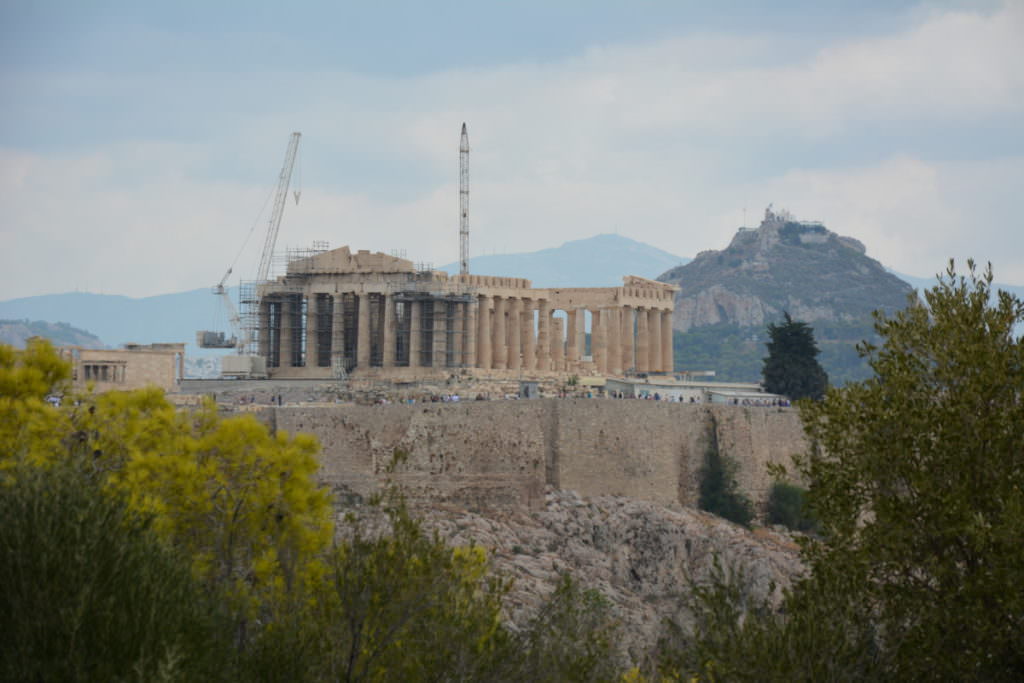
x=918 y=486
x=792 y=367
x=142 y=541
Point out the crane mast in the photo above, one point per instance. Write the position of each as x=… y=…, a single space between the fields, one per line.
x=241 y=337
x=464 y=202
x=279 y=201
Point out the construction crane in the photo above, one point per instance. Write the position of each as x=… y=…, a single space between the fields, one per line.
x=240 y=336
x=464 y=202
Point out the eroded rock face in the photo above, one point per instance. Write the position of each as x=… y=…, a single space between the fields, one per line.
x=783 y=266
x=640 y=555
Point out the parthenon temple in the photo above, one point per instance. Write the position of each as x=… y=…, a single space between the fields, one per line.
x=337 y=312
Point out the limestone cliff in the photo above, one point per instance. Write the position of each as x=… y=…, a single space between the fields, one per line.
x=783 y=265
x=640 y=555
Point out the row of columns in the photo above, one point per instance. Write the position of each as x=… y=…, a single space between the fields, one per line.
x=622 y=337
x=494 y=332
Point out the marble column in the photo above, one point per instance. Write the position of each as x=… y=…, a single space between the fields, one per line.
x=643 y=342
x=338 y=332
x=363 y=333
x=264 y=322
x=389 y=333
x=484 y=358
x=667 y=351
x=543 y=335
x=286 y=336
x=311 y=331
x=499 y=351
x=458 y=323
x=572 y=349
x=598 y=343
x=614 y=327
x=654 y=332
x=416 y=334
x=440 y=345
x=558 y=344
x=581 y=335
x=469 y=338
x=628 y=342
x=529 y=340
x=515 y=333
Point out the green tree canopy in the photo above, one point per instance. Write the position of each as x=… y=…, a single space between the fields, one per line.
x=917 y=480
x=89 y=592
x=792 y=367
x=919 y=483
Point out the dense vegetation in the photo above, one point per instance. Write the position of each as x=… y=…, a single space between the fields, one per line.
x=787 y=505
x=918 y=486
x=142 y=542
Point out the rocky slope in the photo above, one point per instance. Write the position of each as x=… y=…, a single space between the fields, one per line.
x=641 y=556
x=783 y=265
x=728 y=297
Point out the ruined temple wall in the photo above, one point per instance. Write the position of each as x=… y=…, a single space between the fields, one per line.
x=498 y=453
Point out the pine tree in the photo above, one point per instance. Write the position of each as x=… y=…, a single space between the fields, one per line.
x=792 y=367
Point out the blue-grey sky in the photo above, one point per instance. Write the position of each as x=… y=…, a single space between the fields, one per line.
x=140 y=140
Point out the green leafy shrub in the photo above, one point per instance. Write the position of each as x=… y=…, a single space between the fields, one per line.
x=719 y=493
x=787 y=506
x=89 y=592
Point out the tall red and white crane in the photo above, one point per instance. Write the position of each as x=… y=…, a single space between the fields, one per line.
x=240 y=336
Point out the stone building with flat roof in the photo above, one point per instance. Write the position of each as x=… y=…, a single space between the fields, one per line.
x=132 y=367
x=337 y=313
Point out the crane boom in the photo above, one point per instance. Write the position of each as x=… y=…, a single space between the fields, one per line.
x=241 y=336
x=279 y=201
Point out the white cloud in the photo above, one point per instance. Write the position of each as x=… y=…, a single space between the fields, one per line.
x=914 y=216
x=643 y=139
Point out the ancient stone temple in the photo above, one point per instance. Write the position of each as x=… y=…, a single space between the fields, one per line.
x=337 y=312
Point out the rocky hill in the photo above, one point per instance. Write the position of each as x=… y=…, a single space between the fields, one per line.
x=641 y=556
x=16 y=332
x=728 y=297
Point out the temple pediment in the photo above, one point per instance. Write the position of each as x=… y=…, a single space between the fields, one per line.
x=342 y=260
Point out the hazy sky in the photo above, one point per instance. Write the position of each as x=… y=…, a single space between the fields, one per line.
x=139 y=141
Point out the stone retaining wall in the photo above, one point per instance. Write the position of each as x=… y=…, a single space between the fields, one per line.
x=500 y=453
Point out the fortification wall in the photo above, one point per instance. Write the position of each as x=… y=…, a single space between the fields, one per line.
x=501 y=453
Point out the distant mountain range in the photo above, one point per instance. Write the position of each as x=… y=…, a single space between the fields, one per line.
x=598 y=261
x=119 y=319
